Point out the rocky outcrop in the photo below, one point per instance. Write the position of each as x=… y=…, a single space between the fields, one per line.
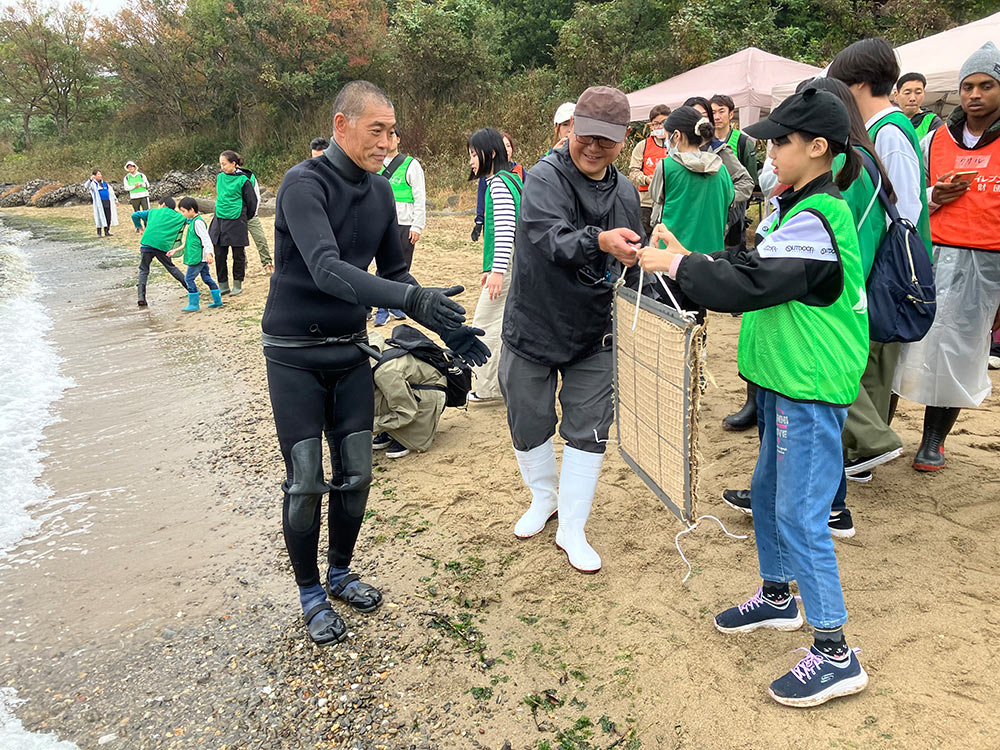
x=22 y=194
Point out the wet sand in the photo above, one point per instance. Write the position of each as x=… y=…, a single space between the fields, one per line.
x=485 y=640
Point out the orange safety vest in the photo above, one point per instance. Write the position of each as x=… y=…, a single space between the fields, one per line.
x=970 y=221
x=651 y=156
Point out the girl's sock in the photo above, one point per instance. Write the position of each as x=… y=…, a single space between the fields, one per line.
x=832 y=644
x=310 y=596
x=776 y=593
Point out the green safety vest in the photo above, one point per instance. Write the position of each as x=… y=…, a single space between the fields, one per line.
x=229 y=195
x=925 y=125
x=163 y=227
x=811 y=353
x=136 y=179
x=193 y=250
x=514 y=184
x=896 y=117
x=734 y=141
x=696 y=206
x=401 y=189
x=859 y=196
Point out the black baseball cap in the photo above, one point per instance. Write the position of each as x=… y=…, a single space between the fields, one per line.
x=819 y=113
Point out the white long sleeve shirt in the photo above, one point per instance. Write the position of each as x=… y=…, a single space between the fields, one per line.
x=413 y=215
x=902 y=165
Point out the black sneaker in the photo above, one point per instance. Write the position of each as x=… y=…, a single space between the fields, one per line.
x=865 y=463
x=738 y=499
x=382 y=441
x=862 y=476
x=841 y=525
x=397 y=450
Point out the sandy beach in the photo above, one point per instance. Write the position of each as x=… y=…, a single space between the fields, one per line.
x=172 y=621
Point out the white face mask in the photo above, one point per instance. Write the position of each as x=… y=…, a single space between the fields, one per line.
x=659 y=133
x=671 y=148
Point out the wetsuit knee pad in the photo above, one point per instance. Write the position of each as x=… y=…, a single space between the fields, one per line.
x=356 y=465
x=307 y=486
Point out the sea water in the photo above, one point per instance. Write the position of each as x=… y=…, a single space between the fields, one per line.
x=30 y=387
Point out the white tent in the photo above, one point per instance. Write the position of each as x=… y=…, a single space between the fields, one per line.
x=938 y=57
x=748 y=77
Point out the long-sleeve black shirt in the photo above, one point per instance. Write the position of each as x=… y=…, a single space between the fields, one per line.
x=332 y=218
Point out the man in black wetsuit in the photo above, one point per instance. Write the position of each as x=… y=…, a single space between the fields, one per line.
x=333 y=216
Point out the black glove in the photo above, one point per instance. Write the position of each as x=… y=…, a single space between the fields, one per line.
x=477 y=230
x=431 y=308
x=465 y=343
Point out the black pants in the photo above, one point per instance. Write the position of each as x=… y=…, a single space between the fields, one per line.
x=406 y=245
x=646 y=216
x=147 y=256
x=335 y=400
x=239 y=262
x=106 y=205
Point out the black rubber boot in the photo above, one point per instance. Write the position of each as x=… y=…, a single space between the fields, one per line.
x=142 y=295
x=938 y=421
x=746 y=417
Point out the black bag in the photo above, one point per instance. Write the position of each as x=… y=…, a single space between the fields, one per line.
x=458 y=375
x=900 y=287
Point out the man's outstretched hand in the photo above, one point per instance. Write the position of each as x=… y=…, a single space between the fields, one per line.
x=431 y=308
x=466 y=344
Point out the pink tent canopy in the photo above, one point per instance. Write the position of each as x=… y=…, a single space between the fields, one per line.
x=747 y=77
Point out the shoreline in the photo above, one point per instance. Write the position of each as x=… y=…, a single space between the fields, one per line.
x=481 y=636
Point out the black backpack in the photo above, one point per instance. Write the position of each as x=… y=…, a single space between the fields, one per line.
x=900 y=287
x=458 y=375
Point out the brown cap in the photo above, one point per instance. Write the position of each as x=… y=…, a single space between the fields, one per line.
x=602 y=111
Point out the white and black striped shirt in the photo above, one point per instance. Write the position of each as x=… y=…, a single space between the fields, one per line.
x=504 y=224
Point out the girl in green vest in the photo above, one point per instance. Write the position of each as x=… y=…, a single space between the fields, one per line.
x=488 y=159
x=804 y=343
x=691 y=189
x=235 y=202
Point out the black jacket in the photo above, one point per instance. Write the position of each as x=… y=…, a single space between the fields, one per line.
x=332 y=218
x=740 y=281
x=559 y=306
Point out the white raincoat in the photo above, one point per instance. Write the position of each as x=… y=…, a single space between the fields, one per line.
x=99 y=219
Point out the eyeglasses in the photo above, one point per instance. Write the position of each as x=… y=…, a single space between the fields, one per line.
x=657 y=123
x=585 y=140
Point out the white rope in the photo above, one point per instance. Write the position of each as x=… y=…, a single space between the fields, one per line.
x=635 y=320
x=692 y=527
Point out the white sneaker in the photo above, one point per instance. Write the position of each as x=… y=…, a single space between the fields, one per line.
x=475 y=398
x=577 y=484
x=994 y=362
x=540 y=474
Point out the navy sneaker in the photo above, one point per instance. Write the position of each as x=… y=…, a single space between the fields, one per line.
x=382 y=441
x=738 y=499
x=397 y=450
x=841 y=525
x=381 y=317
x=862 y=476
x=758 y=612
x=816 y=679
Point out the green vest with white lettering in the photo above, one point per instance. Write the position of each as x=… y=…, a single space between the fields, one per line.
x=400 y=187
x=806 y=352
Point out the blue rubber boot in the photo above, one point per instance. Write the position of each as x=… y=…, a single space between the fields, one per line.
x=216 y=297
x=192 y=305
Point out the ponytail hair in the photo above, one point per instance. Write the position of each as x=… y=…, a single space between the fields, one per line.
x=852 y=167
x=233 y=157
x=691 y=124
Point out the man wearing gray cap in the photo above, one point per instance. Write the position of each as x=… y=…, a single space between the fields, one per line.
x=579 y=224
x=946 y=370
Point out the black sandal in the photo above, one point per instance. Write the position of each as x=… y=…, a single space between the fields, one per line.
x=363 y=597
x=324 y=630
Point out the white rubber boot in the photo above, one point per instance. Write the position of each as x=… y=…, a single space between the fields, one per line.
x=580 y=472
x=540 y=474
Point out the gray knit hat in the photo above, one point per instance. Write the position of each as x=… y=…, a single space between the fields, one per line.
x=986 y=60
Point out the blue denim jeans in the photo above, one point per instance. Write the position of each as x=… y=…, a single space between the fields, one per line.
x=199 y=269
x=797 y=473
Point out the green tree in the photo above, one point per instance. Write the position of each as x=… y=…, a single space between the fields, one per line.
x=25 y=42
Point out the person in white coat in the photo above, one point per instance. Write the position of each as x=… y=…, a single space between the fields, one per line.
x=105 y=203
